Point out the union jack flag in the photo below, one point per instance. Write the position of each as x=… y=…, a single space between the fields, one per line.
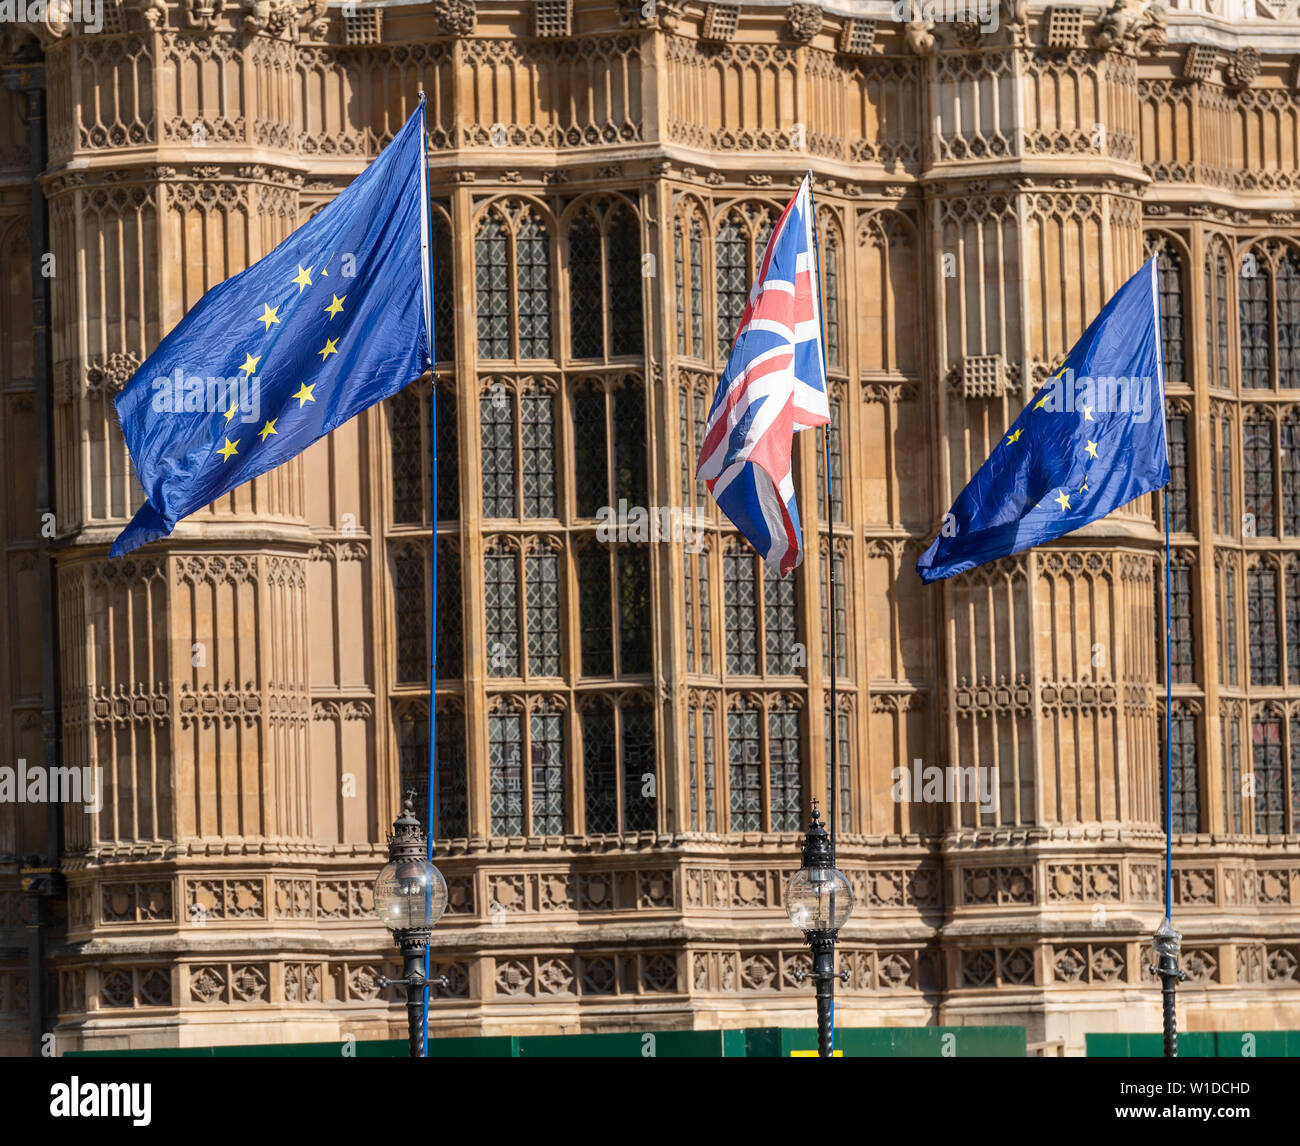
x=774 y=385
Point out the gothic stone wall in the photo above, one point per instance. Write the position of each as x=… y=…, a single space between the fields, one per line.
x=630 y=733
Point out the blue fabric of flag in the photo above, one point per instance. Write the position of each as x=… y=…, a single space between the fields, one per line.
x=1091 y=440
x=329 y=323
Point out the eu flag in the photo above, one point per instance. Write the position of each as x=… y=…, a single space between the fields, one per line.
x=1092 y=440
x=333 y=320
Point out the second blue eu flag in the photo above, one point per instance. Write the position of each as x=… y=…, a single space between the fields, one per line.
x=333 y=320
x=1091 y=440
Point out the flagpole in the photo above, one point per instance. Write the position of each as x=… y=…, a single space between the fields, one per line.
x=426 y=252
x=833 y=784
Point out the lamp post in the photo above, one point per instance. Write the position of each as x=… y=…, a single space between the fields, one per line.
x=410 y=897
x=819 y=901
x=1167 y=943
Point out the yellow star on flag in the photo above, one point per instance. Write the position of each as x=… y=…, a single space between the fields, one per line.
x=269 y=315
x=1087 y=414
x=231 y=412
x=228 y=449
x=336 y=307
x=331 y=347
x=250 y=363
x=1092 y=450
x=304 y=394
x=269 y=428
x=302 y=278
x=1015 y=437
x=1063 y=500
x=1084 y=488
x=1041 y=402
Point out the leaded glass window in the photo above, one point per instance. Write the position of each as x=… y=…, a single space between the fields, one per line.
x=410 y=606
x=496 y=418
x=779 y=612
x=1291 y=579
x=1289 y=464
x=1185 y=769
x=730 y=251
x=1232 y=772
x=505 y=774
x=594 y=614
x=634 y=609
x=1179 y=517
x=679 y=281
x=693 y=767
x=452 y=808
x=1169 y=274
x=706 y=617
x=697 y=288
x=542 y=590
x=830 y=268
x=1261 y=615
x=745 y=767
x=448 y=455
x=413 y=765
x=784 y=782
x=629 y=444
x=1288 y=321
x=533 y=288
x=599 y=770
x=841 y=618
x=698 y=410
x=586 y=314
x=1216 y=310
x=1230 y=623
x=444 y=291
x=1294 y=765
x=547 y=759
x=844 y=765
x=492 y=286
x=1225 y=474
x=1266 y=763
x=837 y=473
x=1257 y=471
x=741 y=607
x=710 y=773
x=449 y=641
x=590 y=443
x=638 y=767
x=501 y=597
x=623 y=274
x=690 y=612
x=405 y=409
x=1214 y=474
x=537 y=440
x=1252 y=307
x=1181 y=646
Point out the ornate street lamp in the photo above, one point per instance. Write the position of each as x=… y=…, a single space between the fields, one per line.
x=819 y=901
x=1167 y=943
x=410 y=897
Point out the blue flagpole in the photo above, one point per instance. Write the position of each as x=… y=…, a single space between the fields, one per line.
x=1169 y=722
x=433 y=533
x=831 y=796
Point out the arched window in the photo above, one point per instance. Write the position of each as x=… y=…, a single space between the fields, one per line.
x=1252 y=305
x=609 y=427
x=830 y=268
x=1181 y=643
x=614 y=608
x=740 y=604
x=741 y=239
x=745 y=766
x=605 y=281
x=1169 y=274
x=1257 y=471
x=843 y=750
x=1261 y=615
x=444 y=292
x=784 y=769
x=1287 y=314
x=618 y=745
x=517 y=423
x=526 y=779
x=1186 y=771
x=779 y=617
x=512 y=260
x=1266 y=764
x=1216 y=315
x=1179 y=515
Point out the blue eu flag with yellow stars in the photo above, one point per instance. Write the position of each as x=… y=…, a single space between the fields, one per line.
x=333 y=320
x=1091 y=440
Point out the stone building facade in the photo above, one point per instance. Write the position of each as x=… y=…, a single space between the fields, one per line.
x=604 y=175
